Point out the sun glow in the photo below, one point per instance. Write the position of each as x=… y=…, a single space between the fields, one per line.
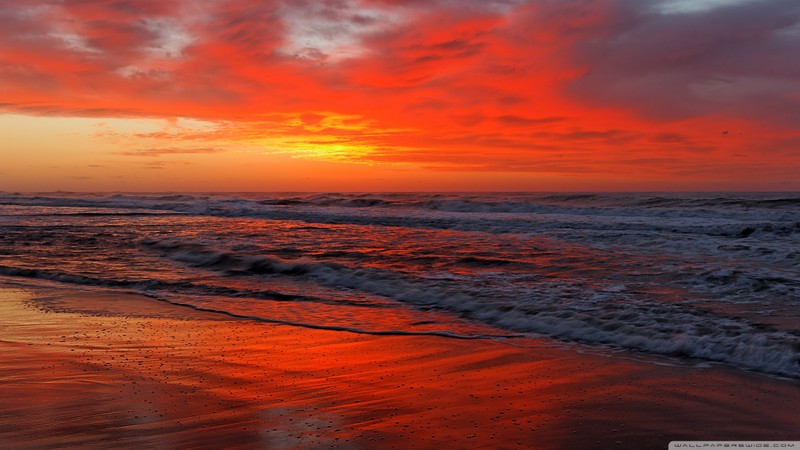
x=333 y=152
x=560 y=94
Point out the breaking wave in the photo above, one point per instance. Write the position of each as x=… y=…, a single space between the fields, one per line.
x=710 y=276
x=552 y=308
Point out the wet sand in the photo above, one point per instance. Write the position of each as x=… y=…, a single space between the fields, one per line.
x=97 y=369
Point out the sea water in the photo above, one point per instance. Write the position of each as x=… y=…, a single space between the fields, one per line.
x=702 y=276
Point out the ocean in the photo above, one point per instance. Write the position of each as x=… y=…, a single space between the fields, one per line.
x=704 y=278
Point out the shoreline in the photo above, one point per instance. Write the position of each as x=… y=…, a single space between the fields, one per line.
x=145 y=373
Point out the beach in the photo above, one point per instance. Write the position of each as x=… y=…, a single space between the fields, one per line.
x=360 y=224
x=138 y=372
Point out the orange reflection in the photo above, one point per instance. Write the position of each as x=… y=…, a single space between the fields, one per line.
x=152 y=380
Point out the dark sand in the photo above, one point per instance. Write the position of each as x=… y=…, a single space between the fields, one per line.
x=146 y=374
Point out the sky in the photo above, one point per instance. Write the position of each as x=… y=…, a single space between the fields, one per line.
x=392 y=95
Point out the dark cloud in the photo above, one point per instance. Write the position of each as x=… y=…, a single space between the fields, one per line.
x=69 y=111
x=156 y=152
x=739 y=59
x=516 y=120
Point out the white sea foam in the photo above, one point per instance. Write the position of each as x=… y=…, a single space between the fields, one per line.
x=698 y=275
x=567 y=310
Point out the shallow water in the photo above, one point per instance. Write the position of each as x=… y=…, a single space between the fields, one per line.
x=708 y=276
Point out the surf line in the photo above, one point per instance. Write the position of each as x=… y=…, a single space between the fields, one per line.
x=444 y=334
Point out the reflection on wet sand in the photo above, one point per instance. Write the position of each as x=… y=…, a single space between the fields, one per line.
x=137 y=374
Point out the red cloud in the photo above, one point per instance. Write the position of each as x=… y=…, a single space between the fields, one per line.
x=477 y=85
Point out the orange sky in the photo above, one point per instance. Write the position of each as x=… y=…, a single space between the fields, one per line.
x=344 y=95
